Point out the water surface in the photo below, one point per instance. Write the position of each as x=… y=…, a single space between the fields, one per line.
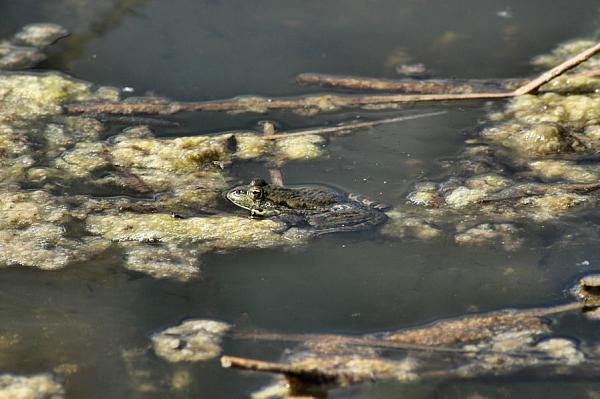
x=90 y=314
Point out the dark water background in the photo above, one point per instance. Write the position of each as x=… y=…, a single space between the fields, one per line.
x=355 y=283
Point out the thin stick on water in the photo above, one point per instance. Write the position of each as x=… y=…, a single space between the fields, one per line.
x=422 y=86
x=312 y=103
x=321 y=102
x=447 y=337
x=269 y=133
x=412 y=344
x=557 y=71
x=274 y=172
x=349 y=126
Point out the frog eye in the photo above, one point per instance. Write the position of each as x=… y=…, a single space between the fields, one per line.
x=255 y=193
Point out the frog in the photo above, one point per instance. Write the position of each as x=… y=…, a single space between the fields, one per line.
x=320 y=209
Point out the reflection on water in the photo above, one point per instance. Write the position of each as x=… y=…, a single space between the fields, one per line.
x=94 y=319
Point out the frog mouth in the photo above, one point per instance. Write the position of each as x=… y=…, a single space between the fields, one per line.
x=258 y=213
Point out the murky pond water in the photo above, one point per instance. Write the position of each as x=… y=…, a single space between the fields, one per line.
x=96 y=317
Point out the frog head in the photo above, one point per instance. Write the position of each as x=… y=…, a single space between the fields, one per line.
x=253 y=197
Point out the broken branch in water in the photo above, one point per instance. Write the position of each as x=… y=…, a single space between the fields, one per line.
x=348 y=126
x=431 y=86
x=299 y=379
x=525 y=190
x=557 y=70
x=312 y=103
x=137 y=120
x=274 y=171
x=270 y=133
x=497 y=342
x=323 y=362
x=438 y=337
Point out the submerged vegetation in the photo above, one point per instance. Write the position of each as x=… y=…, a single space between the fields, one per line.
x=160 y=207
x=531 y=164
x=56 y=154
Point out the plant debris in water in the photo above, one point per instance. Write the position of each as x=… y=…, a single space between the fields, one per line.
x=495 y=343
x=531 y=164
x=38 y=386
x=543 y=137
x=64 y=158
x=26 y=48
x=192 y=340
x=51 y=158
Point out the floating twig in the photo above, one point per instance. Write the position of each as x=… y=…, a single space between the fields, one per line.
x=258 y=365
x=349 y=126
x=428 y=86
x=324 y=102
x=525 y=190
x=557 y=70
x=137 y=120
x=328 y=362
x=434 y=338
x=275 y=171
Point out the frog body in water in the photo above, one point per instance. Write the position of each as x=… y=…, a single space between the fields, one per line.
x=319 y=208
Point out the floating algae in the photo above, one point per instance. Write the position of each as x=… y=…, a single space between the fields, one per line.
x=546 y=142
x=42 y=148
x=472 y=346
x=27 y=95
x=33 y=232
x=168 y=261
x=50 y=162
x=495 y=343
x=38 y=386
x=208 y=233
x=26 y=48
x=192 y=340
x=477 y=203
x=507 y=235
